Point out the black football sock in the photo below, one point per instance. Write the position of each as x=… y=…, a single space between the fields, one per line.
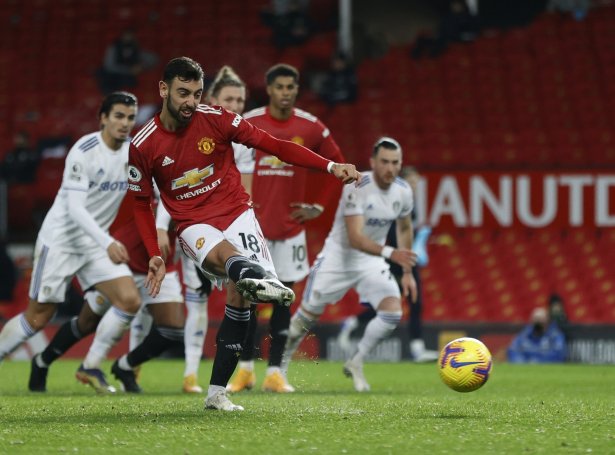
x=158 y=340
x=231 y=335
x=249 y=345
x=66 y=336
x=279 y=323
x=238 y=267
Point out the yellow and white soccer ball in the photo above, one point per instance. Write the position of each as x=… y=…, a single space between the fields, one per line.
x=465 y=364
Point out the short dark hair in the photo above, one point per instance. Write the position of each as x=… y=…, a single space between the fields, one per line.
x=125 y=98
x=386 y=142
x=183 y=68
x=281 y=69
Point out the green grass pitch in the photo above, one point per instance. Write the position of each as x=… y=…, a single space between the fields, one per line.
x=536 y=409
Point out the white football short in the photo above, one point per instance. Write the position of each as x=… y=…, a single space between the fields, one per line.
x=53 y=270
x=328 y=283
x=244 y=234
x=290 y=258
x=170 y=292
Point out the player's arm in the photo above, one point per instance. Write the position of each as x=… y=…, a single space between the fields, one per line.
x=358 y=240
x=140 y=187
x=163 y=221
x=75 y=184
x=289 y=152
x=404 y=242
x=328 y=188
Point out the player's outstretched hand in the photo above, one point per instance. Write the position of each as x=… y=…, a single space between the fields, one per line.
x=118 y=253
x=347 y=173
x=155 y=275
x=408 y=284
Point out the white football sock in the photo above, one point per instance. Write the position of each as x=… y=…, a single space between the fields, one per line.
x=300 y=324
x=139 y=328
x=377 y=330
x=110 y=330
x=194 y=330
x=14 y=332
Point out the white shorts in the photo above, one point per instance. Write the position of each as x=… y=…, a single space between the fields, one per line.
x=170 y=292
x=290 y=257
x=327 y=284
x=190 y=278
x=244 y=234
x=53 y=270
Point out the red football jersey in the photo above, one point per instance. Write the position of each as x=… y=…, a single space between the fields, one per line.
x=195 y=169
x=277 y=184
x=124 y=229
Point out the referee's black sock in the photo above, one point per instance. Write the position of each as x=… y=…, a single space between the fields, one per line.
x=229 y=344
x=158 y=340
x=66 y=336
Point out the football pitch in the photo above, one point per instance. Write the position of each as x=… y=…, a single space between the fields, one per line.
x=522 y=409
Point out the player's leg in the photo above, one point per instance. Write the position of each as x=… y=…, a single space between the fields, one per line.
x=73 y=330
x=290 y=260
x=418 y=351
x=116 y=284
x=239 y=253
x=245 y=376
x=223 y=254
x=140 y=327
x=52 y=271
x=326 y=283
x=196 y=298
x=351 y=323
x=167 y=331
x=375 y=286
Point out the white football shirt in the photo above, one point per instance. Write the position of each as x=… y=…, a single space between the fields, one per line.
x=102 y=173
x=378 y=207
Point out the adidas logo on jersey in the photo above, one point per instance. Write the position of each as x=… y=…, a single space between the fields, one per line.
x=254 y=257
x=167 y=161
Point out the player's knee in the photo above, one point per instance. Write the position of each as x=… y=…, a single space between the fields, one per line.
x=391 y=304
x=129 y=301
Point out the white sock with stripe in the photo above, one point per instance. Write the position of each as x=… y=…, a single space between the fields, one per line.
x=14 y=332
x=110 y=330
x=194 y=330
x=377 y=330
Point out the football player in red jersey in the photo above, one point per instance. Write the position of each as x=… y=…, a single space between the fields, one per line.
x=280 y=203
x=187 y=150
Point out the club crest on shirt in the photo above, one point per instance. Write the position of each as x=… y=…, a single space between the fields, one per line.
x=206 y=146
x=298 y=140
x=200 y=242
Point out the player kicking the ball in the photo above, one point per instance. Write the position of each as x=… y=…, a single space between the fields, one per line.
x=187 y=150
x=353 y=257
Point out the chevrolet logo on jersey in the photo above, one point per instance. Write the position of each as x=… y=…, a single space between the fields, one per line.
x=193 y=177
x=272 y=161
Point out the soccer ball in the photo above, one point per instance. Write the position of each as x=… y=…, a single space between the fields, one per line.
x=465 y=364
